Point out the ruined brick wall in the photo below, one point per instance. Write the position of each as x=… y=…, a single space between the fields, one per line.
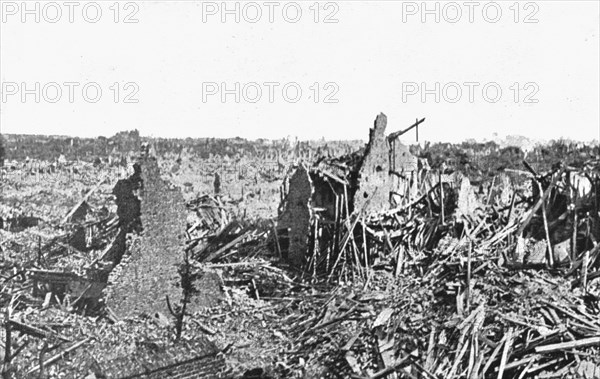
x=404 y=180
x=402 y=159
x=296 y=217
x=149 y=271
x=373 y=177
x=128 y=203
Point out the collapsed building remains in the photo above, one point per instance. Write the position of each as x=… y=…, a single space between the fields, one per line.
x=149 y=271
x=124 y=264
x=382 y=175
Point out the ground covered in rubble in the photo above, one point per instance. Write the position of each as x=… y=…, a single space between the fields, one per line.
x=433 y=288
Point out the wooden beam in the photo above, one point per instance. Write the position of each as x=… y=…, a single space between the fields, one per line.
x=592 y=341
x=397 y=134
x=87 y=196
x=58 y=356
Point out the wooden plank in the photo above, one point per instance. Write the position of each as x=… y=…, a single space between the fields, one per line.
x=539 y=203
x=87 y=196
x=58 y=356
x=592 y=341
x=231 y=244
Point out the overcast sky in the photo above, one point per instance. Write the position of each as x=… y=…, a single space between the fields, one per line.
x=190 y=68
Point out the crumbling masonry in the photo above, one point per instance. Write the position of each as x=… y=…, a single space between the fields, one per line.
x=149 y=272
x=368 y=181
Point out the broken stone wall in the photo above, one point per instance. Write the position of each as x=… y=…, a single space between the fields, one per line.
x=403 y=171
x=128 y=202
x=373 y=177
x=402 y=160
x=149 y=272
x=295 y=220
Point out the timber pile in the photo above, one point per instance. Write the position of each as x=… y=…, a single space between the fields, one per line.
x=488 y=317
x=552 y=222
x=242 y=238
x=440 y=291
x=210 y=215
x=357 y=239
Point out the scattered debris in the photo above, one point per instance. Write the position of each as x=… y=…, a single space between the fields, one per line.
x=432 y=274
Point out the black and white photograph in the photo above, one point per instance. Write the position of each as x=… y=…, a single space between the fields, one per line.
x=361 y=189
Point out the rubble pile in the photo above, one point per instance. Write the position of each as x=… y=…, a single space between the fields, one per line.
x=499 y=283
x=466 y=306
x=321 y=205
x=98 y=298
x=376 y=266
x=485 y=310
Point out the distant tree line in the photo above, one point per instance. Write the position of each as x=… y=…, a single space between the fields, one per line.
x=476 y=159
x=2 y=151
x=20 y=147
x=480 y=160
